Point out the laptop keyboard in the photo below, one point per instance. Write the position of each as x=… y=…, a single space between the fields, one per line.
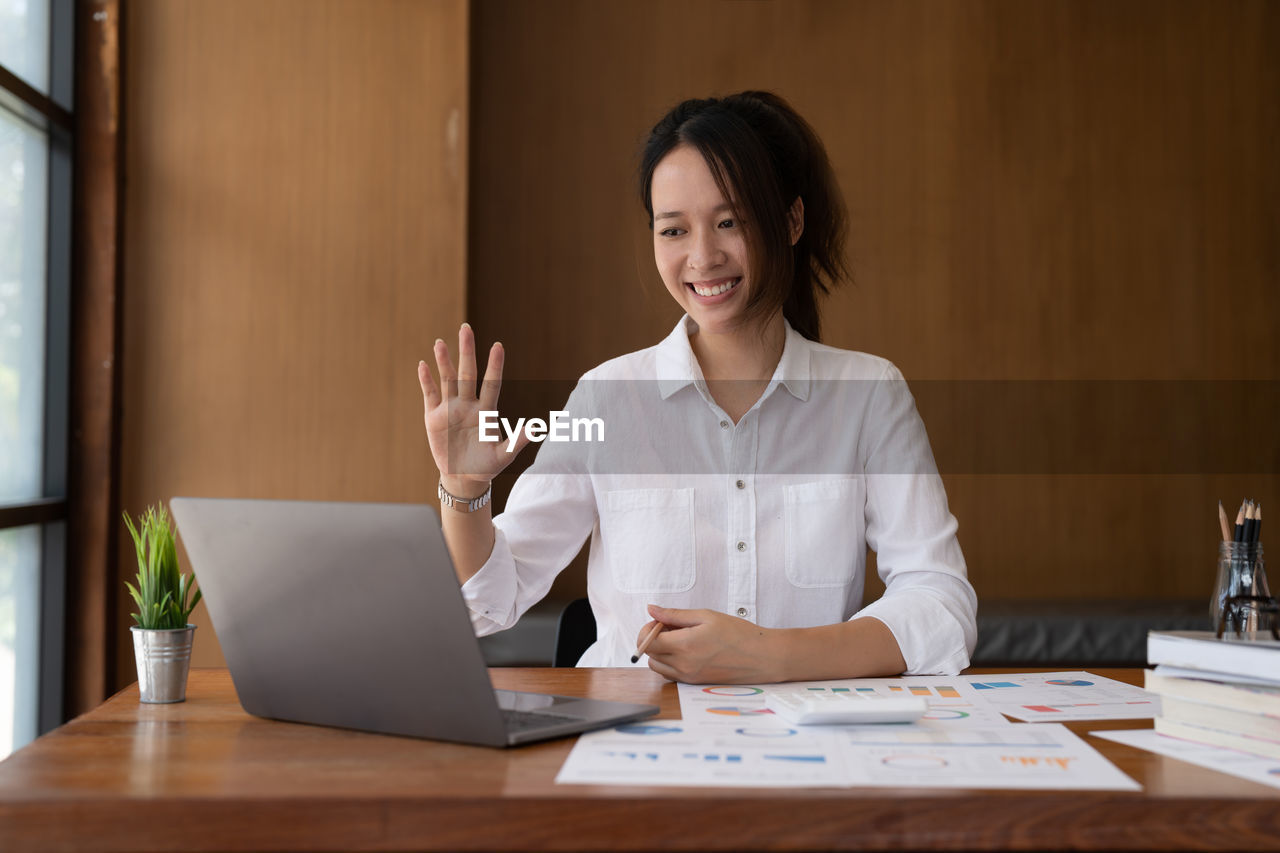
x=521 y=721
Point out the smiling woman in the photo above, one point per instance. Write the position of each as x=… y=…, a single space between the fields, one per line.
x=699 y=245
x=735 y=157
x=748 y=466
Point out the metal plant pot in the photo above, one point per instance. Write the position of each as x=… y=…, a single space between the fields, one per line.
x=163 y=657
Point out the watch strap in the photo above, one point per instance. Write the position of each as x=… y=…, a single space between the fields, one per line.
x=462 y=504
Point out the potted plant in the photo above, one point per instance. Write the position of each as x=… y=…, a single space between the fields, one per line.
x=162 y=637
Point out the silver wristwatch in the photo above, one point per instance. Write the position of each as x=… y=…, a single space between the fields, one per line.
x=464 y=505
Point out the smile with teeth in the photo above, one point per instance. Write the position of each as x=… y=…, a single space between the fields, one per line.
x=717 y=289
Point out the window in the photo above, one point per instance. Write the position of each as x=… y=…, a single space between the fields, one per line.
x=35 y=223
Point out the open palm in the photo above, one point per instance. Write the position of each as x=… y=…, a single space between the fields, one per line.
x=452 y=414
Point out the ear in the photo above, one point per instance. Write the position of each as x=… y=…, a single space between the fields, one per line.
x=795 y=219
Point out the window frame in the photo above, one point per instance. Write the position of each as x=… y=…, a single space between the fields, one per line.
x=51 y=115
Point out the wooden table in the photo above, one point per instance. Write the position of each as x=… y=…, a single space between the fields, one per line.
x=203 y=775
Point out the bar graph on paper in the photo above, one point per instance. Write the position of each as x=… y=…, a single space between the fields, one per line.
x=1061 y=696
x=951 y=702
x=668 y=752
x=726 y=736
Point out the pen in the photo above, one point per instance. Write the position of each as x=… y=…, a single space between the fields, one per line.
x=644 y=644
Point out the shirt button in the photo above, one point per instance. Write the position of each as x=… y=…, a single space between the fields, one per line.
x=724 y=424
x=742 y=611
x=740 y=484
x=742 y=546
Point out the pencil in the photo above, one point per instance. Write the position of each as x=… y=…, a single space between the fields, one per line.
x=644 y=644
x=1249 y=523
x=1240 y=524
x=1222 y=520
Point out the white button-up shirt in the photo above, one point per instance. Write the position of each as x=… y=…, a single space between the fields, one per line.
x=768 y=519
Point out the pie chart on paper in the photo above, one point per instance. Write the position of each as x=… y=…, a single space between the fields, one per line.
x=731 y=690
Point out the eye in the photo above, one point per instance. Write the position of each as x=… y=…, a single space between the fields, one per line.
x=727 y=223
x=671 y=232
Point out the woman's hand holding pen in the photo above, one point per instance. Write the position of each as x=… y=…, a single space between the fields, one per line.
x=452 y=416
x=704 y=646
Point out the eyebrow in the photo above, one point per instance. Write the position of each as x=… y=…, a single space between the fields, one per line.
x=672 y=214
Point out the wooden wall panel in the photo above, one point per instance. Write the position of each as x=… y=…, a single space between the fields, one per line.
x=295 y=231
x=1039 y=191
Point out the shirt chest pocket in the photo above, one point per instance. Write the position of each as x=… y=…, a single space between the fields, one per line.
x=648 y=534
x=823 y=531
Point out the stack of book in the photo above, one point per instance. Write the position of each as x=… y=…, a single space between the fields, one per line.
x=1219 y=692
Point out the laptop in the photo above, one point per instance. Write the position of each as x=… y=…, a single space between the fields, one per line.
x=350 y=615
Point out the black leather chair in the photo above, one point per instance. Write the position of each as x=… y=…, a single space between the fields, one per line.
x=1078 y=634
x=1066 y=634
x=575 y=631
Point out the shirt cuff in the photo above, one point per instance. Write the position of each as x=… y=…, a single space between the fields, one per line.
x=935 y=632
x=494 y=583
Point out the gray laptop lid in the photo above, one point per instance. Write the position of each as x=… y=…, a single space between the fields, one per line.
x=348 y=614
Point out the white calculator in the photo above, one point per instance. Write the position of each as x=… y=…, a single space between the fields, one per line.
x=812 y=707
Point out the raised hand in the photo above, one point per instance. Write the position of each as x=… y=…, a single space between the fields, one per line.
x=452 y=416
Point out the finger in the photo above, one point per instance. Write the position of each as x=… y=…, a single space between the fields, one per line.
x=665 y=670
x=430 y=392
x=675 y=618
x=667 y=644
x=522 y=441
x=500 y=448
x=466 y=362
x=448 y=374
x=492 y=383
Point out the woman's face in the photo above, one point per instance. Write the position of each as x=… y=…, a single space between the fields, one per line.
x=698 y=242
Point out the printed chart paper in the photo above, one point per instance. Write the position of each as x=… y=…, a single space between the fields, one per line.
x=951 y=702
x=1252 y=767
x=673 y=752
x=1062 y=696
x=770 y=754
x=1047 y=756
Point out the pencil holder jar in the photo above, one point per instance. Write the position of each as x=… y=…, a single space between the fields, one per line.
x=1242 y=604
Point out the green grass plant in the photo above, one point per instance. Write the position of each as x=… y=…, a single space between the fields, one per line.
x=161 y=593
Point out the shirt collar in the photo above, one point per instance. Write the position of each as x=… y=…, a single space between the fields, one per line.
x=677 y=366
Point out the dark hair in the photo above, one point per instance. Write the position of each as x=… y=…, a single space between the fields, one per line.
x=763 y=157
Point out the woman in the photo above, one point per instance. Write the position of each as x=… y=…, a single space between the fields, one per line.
x=748 y=467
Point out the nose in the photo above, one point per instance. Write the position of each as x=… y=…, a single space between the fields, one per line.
x=705 y=253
